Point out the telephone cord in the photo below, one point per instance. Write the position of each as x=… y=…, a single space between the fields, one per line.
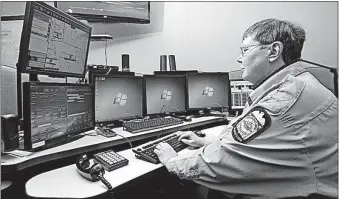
x=108 y=185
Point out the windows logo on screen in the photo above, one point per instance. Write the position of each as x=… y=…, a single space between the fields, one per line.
x=120 y=99
x=166 y=95
x=208 y=91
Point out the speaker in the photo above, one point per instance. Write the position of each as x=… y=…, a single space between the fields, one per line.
x=9 y=132
x=171 y=59
x=163 y=62
x=125 y=62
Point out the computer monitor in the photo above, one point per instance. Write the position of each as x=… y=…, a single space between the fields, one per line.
x=55 y=113
x=164 y=94
x=208 y=91
x=117 y=98
x=52 y=42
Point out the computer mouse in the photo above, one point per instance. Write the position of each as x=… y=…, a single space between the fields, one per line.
x=187 y=119
x=109 y=132
x=199 y=133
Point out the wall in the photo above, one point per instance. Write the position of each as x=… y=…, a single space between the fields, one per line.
x=207 y=35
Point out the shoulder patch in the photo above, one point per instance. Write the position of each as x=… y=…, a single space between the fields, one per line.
x=256 y=121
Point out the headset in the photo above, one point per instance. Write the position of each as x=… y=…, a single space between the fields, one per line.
x=92 y=171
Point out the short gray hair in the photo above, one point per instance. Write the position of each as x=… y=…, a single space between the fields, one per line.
x=291 y=35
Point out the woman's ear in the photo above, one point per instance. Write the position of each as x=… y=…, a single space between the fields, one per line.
x=275 y=51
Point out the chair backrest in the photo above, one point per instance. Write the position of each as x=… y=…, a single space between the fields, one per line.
x=324 y=76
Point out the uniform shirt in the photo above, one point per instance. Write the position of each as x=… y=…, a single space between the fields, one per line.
x=297 y=155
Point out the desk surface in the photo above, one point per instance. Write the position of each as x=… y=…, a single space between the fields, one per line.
x=10 y=163
x=66 y=182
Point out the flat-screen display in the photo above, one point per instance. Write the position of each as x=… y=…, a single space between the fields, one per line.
x=52 y=42
x=117 y=98
x=208 y=90
x=164 y=94
x=55 y=111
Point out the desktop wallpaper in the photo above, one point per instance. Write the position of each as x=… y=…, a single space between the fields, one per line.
x=117 y=98
x=205 y=90
x=166 y=92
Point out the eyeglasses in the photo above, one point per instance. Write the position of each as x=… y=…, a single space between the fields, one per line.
x=245 y=50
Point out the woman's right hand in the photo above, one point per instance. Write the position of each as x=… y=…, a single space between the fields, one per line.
x=191 y=139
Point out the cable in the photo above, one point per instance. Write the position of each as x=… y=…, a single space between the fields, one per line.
x=222 y=109
x=110 y=68
x=126 y=139
x=106 y=53
x=175 y=108
x=131 y=114
x=162 y=130
x=161 y=110
x=108 y=185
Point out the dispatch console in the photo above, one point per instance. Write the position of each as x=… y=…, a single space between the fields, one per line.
x=55 y=113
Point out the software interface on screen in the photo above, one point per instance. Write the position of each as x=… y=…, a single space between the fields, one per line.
x=208 y=91
x=117 y=98
x=57 y=110
x=57 y=42
x=164 y=94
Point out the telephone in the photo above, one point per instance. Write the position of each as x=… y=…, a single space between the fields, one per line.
x=91 y=172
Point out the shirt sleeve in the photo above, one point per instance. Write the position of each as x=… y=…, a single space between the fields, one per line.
x=274 y=155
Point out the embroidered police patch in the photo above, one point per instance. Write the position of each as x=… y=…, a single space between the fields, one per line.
x=256 y=121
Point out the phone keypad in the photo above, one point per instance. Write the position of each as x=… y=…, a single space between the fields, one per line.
x=110 y=160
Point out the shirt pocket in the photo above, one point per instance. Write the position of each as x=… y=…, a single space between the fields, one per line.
x=282 y=99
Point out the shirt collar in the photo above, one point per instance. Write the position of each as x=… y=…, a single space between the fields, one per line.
x=293 y=69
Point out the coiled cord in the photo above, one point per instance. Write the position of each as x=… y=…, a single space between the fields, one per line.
x=108 y=185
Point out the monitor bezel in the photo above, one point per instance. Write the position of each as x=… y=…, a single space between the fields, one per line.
x=27 y=114
x=25 y=41
x=145 y=96
x=229 y=94
x=128 y=117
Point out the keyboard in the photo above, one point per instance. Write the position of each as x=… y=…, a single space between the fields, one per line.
x=110 y=160
x=145 y=151
x=136 y=126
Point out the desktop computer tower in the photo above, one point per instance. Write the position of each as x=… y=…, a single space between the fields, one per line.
x=9 y=133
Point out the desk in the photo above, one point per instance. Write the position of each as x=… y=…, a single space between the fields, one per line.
x=66 y=182
x=86 y=144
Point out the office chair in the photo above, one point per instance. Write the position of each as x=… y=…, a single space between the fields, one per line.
x=324 y=76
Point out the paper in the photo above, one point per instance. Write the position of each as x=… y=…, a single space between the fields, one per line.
x=10 y=42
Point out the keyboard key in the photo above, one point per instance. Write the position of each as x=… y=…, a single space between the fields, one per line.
x=110 y=160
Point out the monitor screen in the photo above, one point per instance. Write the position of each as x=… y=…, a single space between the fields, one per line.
x=117 y=98
x=208 y=90
x=108 y=11
x=164 y=94
x=53 y=111
x=53 y=42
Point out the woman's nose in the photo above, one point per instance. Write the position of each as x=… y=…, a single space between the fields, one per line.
x=239 y=59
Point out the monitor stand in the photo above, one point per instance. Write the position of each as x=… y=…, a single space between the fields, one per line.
x=206 y=112
x=33 y=78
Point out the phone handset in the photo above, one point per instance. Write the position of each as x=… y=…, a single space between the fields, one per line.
x=92 y=172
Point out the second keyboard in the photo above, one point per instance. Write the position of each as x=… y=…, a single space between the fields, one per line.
x=149 y=124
